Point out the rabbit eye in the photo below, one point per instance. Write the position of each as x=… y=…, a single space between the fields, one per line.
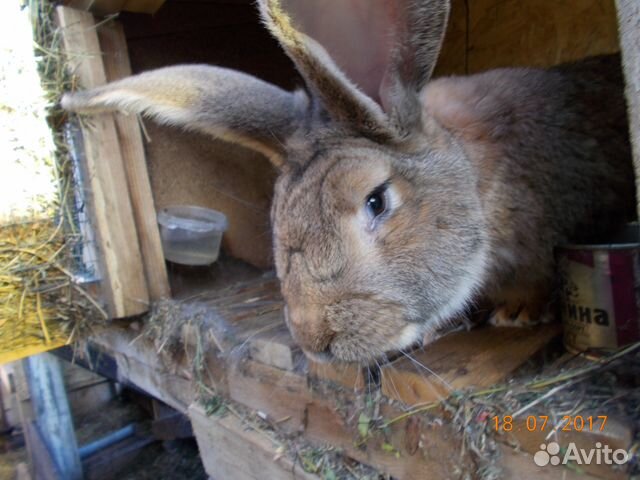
x=376 y=204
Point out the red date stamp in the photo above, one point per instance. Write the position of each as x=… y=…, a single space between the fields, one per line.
x=540 y=423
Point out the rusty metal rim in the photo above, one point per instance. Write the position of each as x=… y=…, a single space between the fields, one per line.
x=631 y=231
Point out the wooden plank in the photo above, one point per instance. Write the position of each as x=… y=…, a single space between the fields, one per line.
x=348 y=375
x=42 y=463
x=280 y=395
x=276 y=348
x=168 y=423
x=22 y=472
x=629 y=28
x=171 y=427
x=326 y=416
x=478 y=358
x=322 y=415
x=117 y=66
x=52 y=413
x=230 y=449
x=122 y=266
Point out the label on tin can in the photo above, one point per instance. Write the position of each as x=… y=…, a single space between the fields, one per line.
x=599 y=298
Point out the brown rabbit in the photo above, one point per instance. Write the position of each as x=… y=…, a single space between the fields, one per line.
x=392 y=215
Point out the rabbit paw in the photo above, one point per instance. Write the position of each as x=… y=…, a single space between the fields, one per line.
x=508 y=316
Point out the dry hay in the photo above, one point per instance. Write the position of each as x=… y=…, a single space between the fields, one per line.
x=181 y=335
x=42 y=305
x=574 y=385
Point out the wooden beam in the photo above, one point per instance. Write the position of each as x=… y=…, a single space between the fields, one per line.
x=276 y=348
x=229 y=448
x=348 y=375
x=52 y=413
x=116 y=64
x=42 y=464
x=280 y=395
x=478 y=358
x=118 y=246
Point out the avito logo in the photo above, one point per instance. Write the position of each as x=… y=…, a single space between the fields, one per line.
x=549 y=453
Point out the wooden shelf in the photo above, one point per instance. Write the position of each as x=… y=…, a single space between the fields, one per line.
x=250 y=359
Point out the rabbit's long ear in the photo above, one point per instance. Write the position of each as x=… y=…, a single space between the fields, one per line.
x=343 y=101
x=223 y=103
x=397 y=53
x=418 y=32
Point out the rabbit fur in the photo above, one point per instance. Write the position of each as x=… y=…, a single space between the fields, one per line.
x=393 y=214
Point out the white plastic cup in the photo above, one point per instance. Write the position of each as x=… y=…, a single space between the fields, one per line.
x=191 y=235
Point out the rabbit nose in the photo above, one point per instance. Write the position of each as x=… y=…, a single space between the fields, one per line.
x=308 y=327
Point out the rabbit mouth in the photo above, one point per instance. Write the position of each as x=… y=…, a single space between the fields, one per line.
x=349 y=347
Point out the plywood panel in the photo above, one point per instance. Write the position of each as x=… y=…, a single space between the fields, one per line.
x=485 y=34
x=190 y=168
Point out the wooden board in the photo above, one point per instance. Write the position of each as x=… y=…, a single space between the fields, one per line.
x=276 y=348
x=348 y=375
x=42 y=464
x=231 y=449
x=485 y=34
x=302 y=402
x=116 y=64
x=478 y=358
x=53 y=419
x=122 y=267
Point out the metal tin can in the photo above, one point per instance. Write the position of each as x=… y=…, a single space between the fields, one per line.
x=600 y=294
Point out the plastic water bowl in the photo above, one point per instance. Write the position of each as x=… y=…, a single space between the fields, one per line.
x=191 y=235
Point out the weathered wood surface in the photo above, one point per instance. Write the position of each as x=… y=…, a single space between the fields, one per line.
x=121 y=266
x=53 y=421
x=629 y=26
x=239 y=322
x=43 y=466
x=477 y=358
x=229 y=448
x=276 y=348
x=116 y=64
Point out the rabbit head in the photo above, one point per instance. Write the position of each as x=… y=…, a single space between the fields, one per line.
x=377 y=226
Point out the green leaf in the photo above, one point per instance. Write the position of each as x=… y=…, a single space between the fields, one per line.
x=363 y=425
x=329 y=474
x=387 y=447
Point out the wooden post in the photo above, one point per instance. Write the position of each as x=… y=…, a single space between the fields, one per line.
x=629 y=30
x=116 y=63
x=118 y=246
x=52 y=414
